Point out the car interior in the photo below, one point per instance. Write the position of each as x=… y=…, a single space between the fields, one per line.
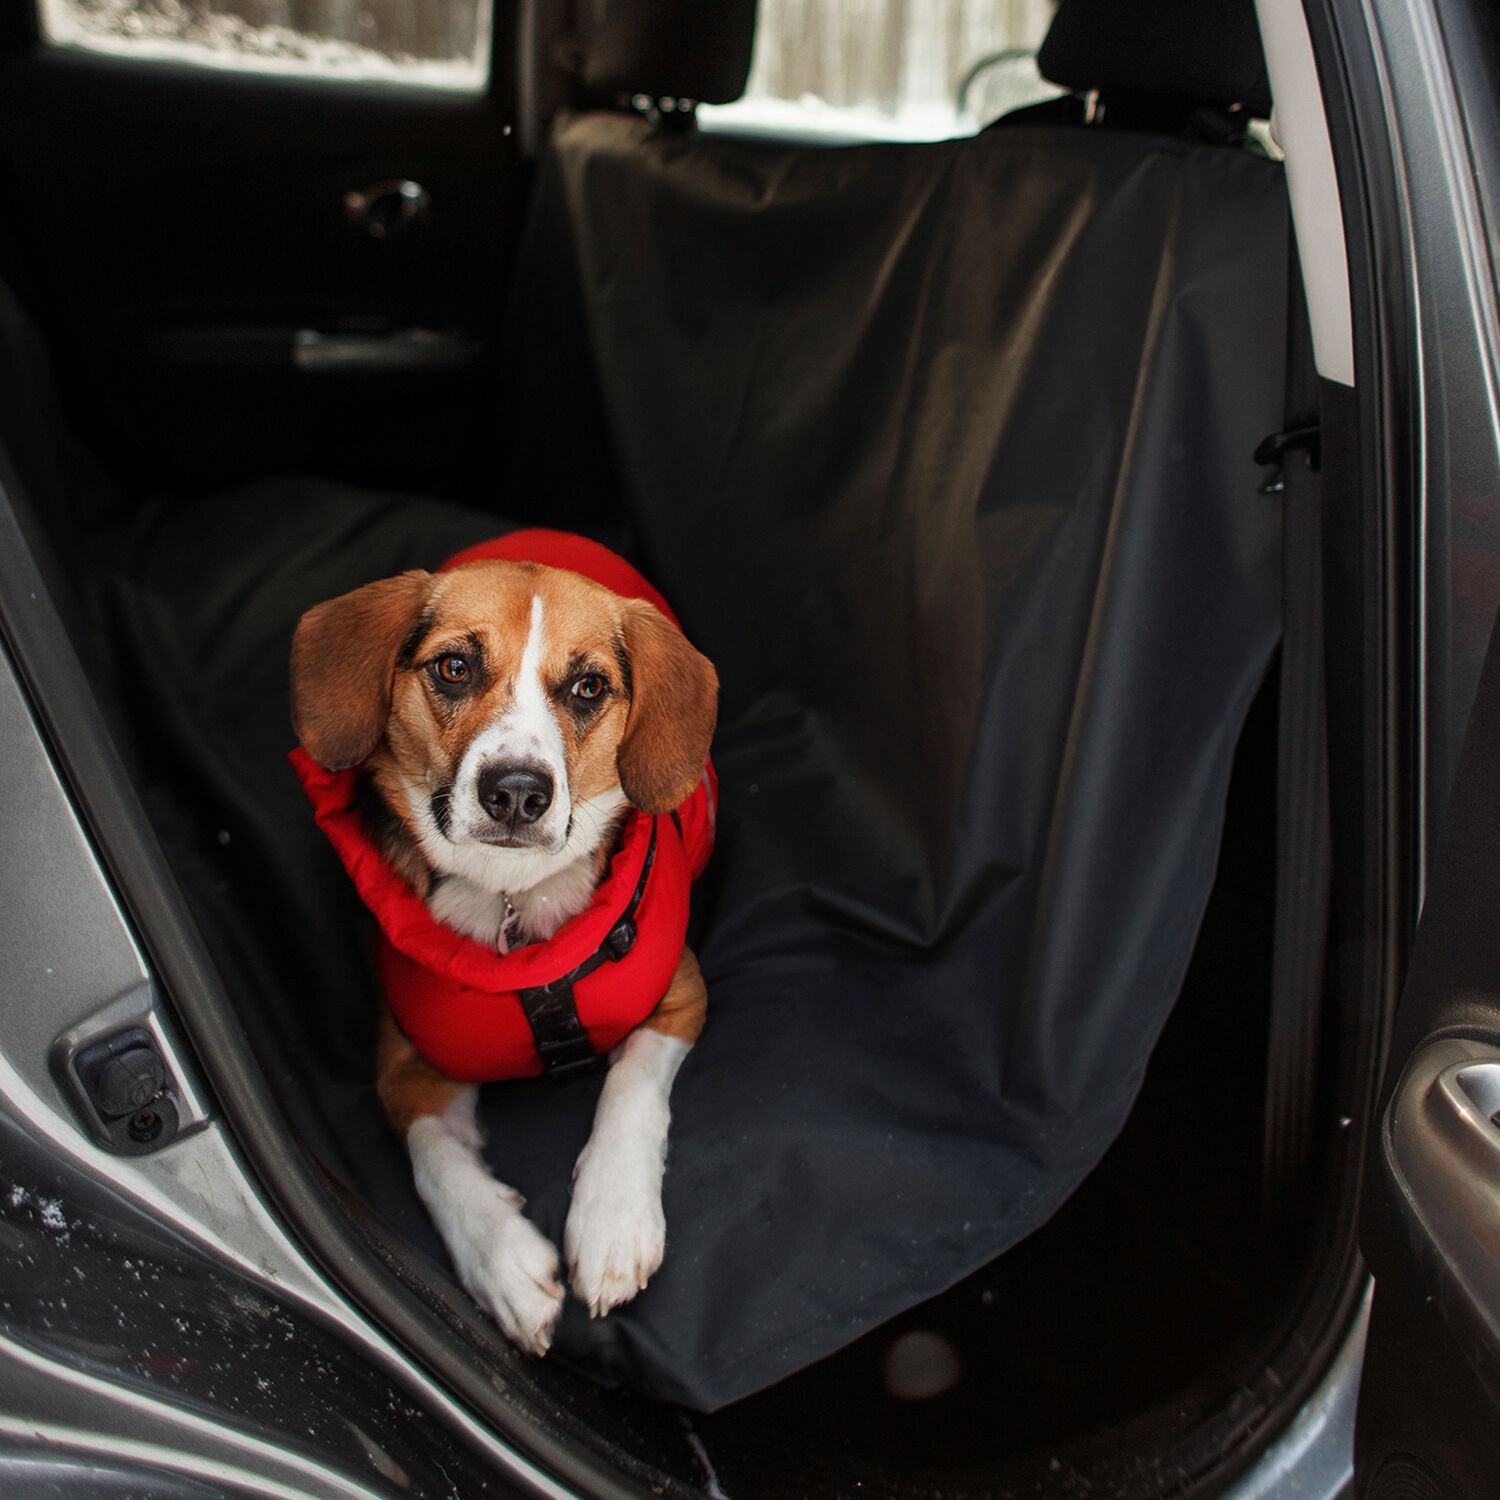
x=952 y=457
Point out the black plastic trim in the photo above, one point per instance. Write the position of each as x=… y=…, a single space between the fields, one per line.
x=1371 y=552
x=20 y=26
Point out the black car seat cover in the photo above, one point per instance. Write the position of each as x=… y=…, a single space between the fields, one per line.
x=943 y=455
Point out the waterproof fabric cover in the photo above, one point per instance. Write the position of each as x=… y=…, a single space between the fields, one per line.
x=942 y=454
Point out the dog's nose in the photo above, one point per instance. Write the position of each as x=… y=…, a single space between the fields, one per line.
x=515 y=795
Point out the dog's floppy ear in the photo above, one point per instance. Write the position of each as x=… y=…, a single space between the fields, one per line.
x=674 y=701
x=343 y=660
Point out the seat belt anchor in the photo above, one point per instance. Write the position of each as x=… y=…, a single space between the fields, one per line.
x=1273 y=450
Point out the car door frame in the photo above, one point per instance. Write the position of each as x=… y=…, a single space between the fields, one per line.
x=1413 y=546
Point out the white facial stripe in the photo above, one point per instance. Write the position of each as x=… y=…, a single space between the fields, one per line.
x=530 y=715
x=557 y=871
x=527 y=732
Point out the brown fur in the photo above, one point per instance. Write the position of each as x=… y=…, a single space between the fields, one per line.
x=672 y=711
x=343 y=658
x=408 y=1085
x=682 y=1009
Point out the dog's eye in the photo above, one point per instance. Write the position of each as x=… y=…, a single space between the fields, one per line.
x=452 y=670
x=589 y=687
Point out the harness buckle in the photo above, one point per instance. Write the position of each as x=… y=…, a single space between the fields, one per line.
x=569 y=1057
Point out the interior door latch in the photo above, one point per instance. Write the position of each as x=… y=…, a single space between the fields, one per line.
x=387 y=208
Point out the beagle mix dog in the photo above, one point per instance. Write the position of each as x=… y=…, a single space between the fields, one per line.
x=503 y=719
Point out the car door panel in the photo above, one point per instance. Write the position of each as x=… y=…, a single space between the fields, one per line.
x=1429 y=1421
x=193 y=244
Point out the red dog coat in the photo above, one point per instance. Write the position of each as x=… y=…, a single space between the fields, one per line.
x=470 y=1010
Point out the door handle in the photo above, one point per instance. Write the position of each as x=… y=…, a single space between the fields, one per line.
x=1442 y=1143
x=388 y=207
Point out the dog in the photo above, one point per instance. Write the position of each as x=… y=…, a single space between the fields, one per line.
x=493 y=749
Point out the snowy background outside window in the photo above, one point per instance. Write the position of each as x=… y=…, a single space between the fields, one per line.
x=889 y=69
x=840 y=69
x=441 y=43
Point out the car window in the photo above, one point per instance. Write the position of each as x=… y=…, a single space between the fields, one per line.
x=888 y=69
x=438 y=43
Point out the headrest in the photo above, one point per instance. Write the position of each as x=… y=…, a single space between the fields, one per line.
x=1199 y=52
x=669 y=49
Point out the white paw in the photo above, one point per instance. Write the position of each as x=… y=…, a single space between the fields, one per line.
x=509 y=1267
x=503 y=1261
x=616 y=1232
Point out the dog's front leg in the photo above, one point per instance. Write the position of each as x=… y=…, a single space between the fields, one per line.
x=616 y=1232
x=503 y=1261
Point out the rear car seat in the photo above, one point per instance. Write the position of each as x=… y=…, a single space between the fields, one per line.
x=942 y=452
